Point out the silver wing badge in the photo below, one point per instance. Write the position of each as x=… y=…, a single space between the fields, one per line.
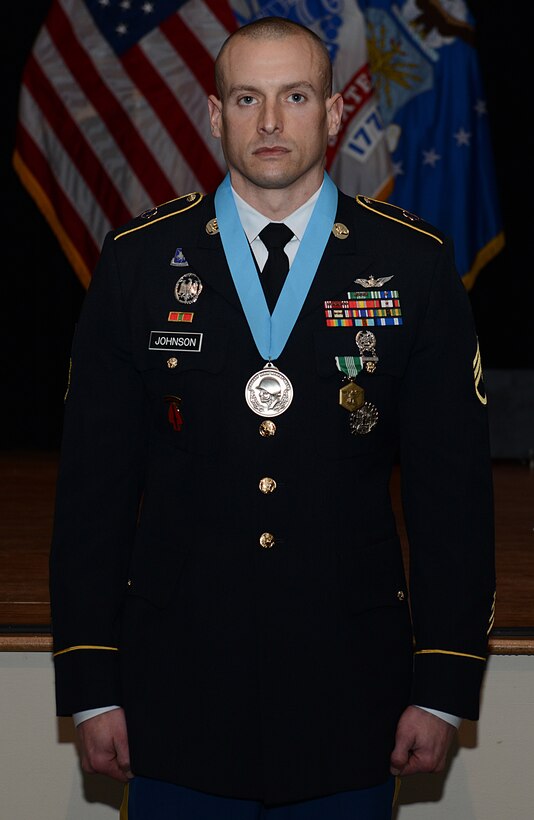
x=374 y=283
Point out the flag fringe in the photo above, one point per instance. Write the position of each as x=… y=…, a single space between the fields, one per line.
x=47 y=209
x=485 y=255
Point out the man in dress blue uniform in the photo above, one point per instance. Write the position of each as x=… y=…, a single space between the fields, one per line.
x=230 y=610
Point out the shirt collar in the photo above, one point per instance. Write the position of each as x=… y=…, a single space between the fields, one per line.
x=253 y=221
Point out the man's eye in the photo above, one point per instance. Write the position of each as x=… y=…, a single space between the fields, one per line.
x=247 y=100
x=296 y=97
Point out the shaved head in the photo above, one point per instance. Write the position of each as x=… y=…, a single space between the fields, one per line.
x=275 y=28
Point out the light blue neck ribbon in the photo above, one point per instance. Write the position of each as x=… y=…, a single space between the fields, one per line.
x=271 y=333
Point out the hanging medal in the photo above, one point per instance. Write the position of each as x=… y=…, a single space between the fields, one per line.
x=269 y=392
x=363 y=415
x=351 y=395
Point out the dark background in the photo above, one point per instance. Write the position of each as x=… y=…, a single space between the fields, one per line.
x=40 y=295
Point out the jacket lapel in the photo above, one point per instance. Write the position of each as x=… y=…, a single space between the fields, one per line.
x=343 y=260
x=204 y=252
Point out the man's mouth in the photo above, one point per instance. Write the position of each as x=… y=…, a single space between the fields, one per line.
x=271 y=151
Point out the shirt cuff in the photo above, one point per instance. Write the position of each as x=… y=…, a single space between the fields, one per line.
x=79 y=717
x=454 y=720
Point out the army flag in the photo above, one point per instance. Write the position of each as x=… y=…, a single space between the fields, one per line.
x=426 y=75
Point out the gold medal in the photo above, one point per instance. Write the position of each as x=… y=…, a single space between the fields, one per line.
x=351 y=396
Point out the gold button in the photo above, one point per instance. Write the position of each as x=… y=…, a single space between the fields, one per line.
x=267 y=485
x=400 y=595
x=130 y=582
x=267 y=540
x=172 y=362
x=267 y=428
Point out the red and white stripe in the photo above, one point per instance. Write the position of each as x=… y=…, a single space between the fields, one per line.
x=101 y=138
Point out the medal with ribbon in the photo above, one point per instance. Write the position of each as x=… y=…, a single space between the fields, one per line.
x=269 y=392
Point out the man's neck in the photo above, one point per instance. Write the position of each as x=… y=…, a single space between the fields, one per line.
x=276 y=203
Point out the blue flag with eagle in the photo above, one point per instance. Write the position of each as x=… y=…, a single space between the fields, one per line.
x=426 y=74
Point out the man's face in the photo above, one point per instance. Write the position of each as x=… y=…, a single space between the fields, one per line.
x=274 y=120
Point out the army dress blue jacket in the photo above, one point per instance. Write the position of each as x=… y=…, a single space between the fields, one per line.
x=261 y=636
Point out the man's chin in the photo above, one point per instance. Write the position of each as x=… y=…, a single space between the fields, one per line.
x=273 y=178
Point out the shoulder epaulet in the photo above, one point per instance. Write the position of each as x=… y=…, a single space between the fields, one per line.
x=164 y=211
x=399 y=215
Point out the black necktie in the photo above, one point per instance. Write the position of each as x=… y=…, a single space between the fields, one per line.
x=275 y=237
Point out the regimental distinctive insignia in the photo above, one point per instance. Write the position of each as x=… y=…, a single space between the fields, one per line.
x=477 y=372
x=351 y=396
x=371 y=308
x=172 y=363
x=170 y=340
x=174 y=415
x=372 y=282
x=269 y=392
x=179 y=316
x=149 y=213
x=340 y=230
x=363 y=420
x=187 y=289
x=212 y=227
x=179 y=260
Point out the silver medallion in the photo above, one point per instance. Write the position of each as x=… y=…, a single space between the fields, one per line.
x=363 y=420
x=187 y=289
x=269 y=392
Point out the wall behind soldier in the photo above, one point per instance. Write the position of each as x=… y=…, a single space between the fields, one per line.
x=489 y=776
x=40 y=296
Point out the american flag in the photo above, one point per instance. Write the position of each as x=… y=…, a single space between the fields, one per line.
x=113 y=118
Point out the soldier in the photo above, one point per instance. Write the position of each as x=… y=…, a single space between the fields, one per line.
x=230 y=608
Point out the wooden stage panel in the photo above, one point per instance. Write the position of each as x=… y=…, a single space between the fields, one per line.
x=27 y=481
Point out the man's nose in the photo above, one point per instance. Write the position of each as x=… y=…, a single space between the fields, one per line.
x=271 y=117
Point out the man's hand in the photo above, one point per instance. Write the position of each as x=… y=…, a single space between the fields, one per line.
x=103 y=742
x=421 y=743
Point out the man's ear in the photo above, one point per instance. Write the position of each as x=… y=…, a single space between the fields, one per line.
x=334 y=108
x=215 y=113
